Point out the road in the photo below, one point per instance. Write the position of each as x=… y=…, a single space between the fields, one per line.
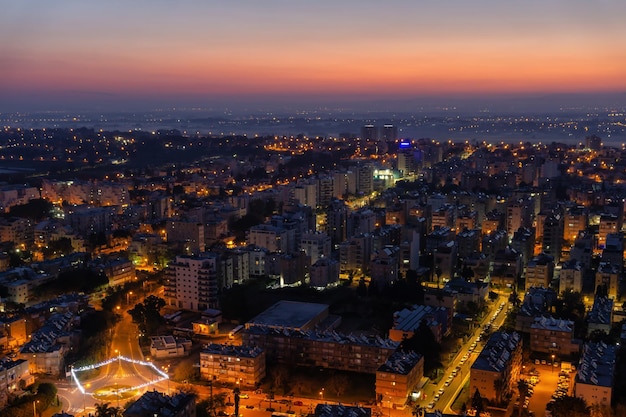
x=462 y=362
x=115 y=379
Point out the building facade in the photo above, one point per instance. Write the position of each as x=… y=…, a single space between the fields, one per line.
x=242 y=365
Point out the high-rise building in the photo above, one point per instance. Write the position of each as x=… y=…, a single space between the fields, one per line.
x=337 y=221
x=575 y=221
x=191 y=282
x=553 y=235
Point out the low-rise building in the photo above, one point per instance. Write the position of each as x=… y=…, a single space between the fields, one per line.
x=330 y=350
x=48 y=346
x=596 y=373
x=571 y=276
x=475 y=292
x=397 y=377
x=601 y=315
x=243 y=365
x=340 y=410
x=607 y=275
x=553 y=336
x=162 y=347
x=119 y=271
x=407 y=320
x=154 y=403
x=14 y=376
x=496 y=370
x=540 y=271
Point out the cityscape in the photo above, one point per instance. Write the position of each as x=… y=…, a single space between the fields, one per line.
x=271 y=209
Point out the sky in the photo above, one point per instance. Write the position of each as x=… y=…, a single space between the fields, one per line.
x=92 y=55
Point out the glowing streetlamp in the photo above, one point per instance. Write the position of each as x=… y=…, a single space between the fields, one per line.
x=35 y=408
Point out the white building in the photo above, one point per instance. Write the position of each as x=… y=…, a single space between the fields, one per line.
x=191 y=282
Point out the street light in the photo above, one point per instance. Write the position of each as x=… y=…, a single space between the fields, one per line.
x=552 y=370
x=84 y=393
x=35 y=408
x=322 y=395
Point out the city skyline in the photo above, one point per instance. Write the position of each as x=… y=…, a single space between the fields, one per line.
x=144 y=55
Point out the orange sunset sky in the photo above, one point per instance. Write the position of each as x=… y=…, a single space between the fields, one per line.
x=169 y=52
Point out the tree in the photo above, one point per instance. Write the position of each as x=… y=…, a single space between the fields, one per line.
x=424 y=342
x=498 y=385
x=105 y=410
x=36 y=209
x=522 y=388
x=210 y=406
x=467 y=273
x=568 y=406
x=280 y=376
x=338 y=384
x=478 y=402
x=58 y=247
x=184 y=371
x=147 y=314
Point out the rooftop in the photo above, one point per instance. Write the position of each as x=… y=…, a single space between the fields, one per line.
x=497 y=352
x=339 y=410
x=289 y=315
x=597 y=364
x=550 y=323
x=409 y=319
x=400 y=362
x=601 y=310
x=326 y=336
x=155 y=403
x=231 y=350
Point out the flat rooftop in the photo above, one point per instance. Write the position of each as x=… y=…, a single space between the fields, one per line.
x=290 y=315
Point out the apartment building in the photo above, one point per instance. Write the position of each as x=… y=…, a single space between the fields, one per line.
x=595 y=376
x=397 y=378
x=496 y=370
x=243 y=365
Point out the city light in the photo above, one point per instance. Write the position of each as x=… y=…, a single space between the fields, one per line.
x=82 y=389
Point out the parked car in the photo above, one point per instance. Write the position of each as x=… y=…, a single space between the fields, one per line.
x=244 y=395
x=298 y=403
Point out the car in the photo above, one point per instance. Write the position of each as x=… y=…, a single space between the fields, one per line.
x=543 y=362
x=283 y=401
x=436 y=397
x=440 y=391
x=250 y=407
x=298 y=403
x=222 y=413
x=431 y=405
x=244 y=396
x=454 y=372
x=290 y=412
x=448 y=382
